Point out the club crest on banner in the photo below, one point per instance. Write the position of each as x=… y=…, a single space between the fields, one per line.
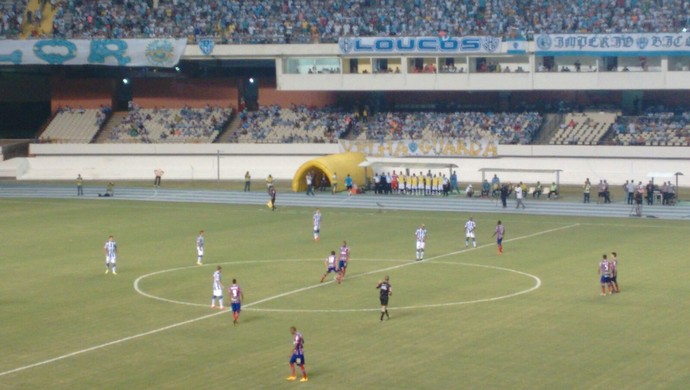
x=491 y=44
x=346 y=45
x=160 y=53
x=206 y=46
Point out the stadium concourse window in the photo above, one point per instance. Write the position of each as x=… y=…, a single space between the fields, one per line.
x=326 y=65
x=422 y=65
x=504 y=64
x=357 y=65
x=387 y=65
x=546 y=64
x=453 y=65
x=639 y=64
x=575 y=64
x=679 y=64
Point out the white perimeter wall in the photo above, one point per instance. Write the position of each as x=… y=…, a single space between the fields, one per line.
x=230 y=162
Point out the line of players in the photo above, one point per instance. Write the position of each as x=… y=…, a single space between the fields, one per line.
x=429 y=184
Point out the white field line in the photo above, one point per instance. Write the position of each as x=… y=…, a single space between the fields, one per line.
x=176 y=325
x=536 y=285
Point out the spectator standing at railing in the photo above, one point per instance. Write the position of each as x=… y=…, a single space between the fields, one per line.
x=586 y=189
x=247 y=182
x=310 y=183
x=631 y=191
x=159 y=174
x=334 y=183
x=650 y=193
x=454 y=183
x=80 y=183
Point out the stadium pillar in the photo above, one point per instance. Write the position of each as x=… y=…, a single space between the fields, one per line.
x=122 y=94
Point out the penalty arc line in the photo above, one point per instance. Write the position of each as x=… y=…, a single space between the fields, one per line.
x=193 y=320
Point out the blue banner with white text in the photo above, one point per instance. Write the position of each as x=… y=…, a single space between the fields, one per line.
x=163 y=53
x=421 y=45
x=647 y=44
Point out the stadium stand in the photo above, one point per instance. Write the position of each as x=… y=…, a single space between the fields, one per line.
x=303 y=21
x=73 y=126
x=509 y=128
x=653 y=129
x=167 y=125
x=297 y=124
x=583 y=128
x=300 y=124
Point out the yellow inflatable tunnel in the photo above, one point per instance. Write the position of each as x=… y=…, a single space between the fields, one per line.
x=341 y=164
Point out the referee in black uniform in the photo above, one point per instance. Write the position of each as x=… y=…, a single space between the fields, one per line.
x=385 y=291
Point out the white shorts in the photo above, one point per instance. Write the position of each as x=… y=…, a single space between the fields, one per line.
x=470 y=235
x=316 y=229
x=218 y=293
x=200 y=251
x=110 y=259
x=420 y=244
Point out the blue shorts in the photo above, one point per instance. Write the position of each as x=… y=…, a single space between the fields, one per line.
x=499 y=241
x=236 y=306
x=605 y=279
x=331 y=269
x=342 y=264
x=297 y=358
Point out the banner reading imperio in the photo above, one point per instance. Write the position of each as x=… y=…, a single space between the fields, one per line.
x=618 y=44
x=424 y=148
x=164 y=53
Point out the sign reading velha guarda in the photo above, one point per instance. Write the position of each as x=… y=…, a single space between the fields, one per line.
x=442 y=147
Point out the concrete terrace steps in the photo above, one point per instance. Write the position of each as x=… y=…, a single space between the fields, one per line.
x=114 y=120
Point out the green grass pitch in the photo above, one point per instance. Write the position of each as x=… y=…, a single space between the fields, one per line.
x=466 y=319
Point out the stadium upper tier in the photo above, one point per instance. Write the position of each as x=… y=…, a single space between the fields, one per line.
x=307 y=21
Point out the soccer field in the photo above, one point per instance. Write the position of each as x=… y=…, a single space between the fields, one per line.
x=468 y=319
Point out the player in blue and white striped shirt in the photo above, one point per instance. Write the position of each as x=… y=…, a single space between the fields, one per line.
x=200 y=248
x=217 y=289
x=470 y=227
x=317 y=224
x=110 y=249
x=420 y=234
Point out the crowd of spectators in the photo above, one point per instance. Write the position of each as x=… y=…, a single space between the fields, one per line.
x=507 y=127
x=307 y=124
x=658 y=126
x=297 y=124
x=303 y=21
x=161 y=125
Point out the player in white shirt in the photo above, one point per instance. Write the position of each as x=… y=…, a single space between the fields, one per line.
x=331 y=266
x=317 y=224
x=217 y=289
x=110 y=249
x=420 y=235
x=470 y=227
x=200 y=248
